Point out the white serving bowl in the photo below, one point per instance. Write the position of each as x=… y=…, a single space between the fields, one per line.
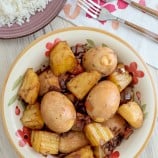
x=34 y=56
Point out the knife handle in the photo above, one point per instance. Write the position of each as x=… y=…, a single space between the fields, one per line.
x=141 y=30
x=145 y=9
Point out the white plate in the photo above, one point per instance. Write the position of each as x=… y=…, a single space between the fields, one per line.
x=34 y=56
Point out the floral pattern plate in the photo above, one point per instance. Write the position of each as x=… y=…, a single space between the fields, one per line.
x=36 y=55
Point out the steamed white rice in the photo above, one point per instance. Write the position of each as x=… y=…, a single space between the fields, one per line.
x=19 y=11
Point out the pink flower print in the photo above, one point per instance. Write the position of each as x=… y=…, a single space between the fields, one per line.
x=115 y=154
x=132 y=68
x=110 y=7
x=17 y=110
x=138 y=94
x=121 y=4
x=50 y=45
x=69 y=13
x=24 y=136
x=142 y=2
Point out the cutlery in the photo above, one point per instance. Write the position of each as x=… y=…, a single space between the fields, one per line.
x=147 y=10
x=102 y=14
x=108 y=1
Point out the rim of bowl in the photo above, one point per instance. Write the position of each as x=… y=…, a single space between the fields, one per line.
x=66 y=30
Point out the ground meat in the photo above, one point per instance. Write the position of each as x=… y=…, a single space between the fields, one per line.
x=63 y=79
x=128 y=131
x=127 y=95
x=109 y=147
x=81 y=121
x=79 y=50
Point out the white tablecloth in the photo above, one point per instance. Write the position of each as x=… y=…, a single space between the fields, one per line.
x=146 y=47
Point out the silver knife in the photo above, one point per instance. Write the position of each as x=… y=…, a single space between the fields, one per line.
x=145 y=9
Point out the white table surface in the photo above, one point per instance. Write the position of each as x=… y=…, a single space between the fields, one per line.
x=9 y=49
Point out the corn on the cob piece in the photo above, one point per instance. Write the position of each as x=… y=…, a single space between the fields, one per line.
x=97 y=134
x=132 y=113
x=45 y=142
x=98 y=152
x=85 y=152
x=32 y=117
x=120 y=77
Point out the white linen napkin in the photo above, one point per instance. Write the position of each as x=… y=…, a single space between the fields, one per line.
x=147 y=48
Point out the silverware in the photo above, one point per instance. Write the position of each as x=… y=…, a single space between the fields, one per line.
x=108 y=1
x=145 y=9
x=102 y=14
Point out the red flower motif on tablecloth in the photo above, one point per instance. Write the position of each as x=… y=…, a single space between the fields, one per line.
x=17 y=110
x=121 y=4
x=115 y=154
x=24 y=136
x=132 y=68
x=142 y=2
x=50 y=45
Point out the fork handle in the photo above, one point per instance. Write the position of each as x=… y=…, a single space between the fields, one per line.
x=145 y=9
x=141 y=30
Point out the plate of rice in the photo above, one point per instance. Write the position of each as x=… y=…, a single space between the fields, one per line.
x=23 y=17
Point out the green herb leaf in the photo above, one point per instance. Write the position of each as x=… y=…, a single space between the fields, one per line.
x=104 y=45
x=90 y=43
x=17 y=82
x=145 y=115
x=143 y=107
x=12 y=100
x=22 y=104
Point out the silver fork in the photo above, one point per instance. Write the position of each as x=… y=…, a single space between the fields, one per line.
x=102 y=14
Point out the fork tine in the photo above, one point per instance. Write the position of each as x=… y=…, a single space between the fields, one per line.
x=95 y=4
x=91 y=6
x=87 y=8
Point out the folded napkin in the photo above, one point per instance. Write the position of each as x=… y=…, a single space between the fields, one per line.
x=146 y=47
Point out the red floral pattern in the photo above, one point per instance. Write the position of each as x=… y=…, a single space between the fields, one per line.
x=138 y=94
x=24 y=136
x=17 y=110
x=142 y=2
x=50 y=45
x=132 y=68
x=115 y=154
x=121 y=4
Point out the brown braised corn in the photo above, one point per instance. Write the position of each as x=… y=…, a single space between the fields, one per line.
x=97 y=134
x=98 y=152
x=45 y=142
x=32 y=117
